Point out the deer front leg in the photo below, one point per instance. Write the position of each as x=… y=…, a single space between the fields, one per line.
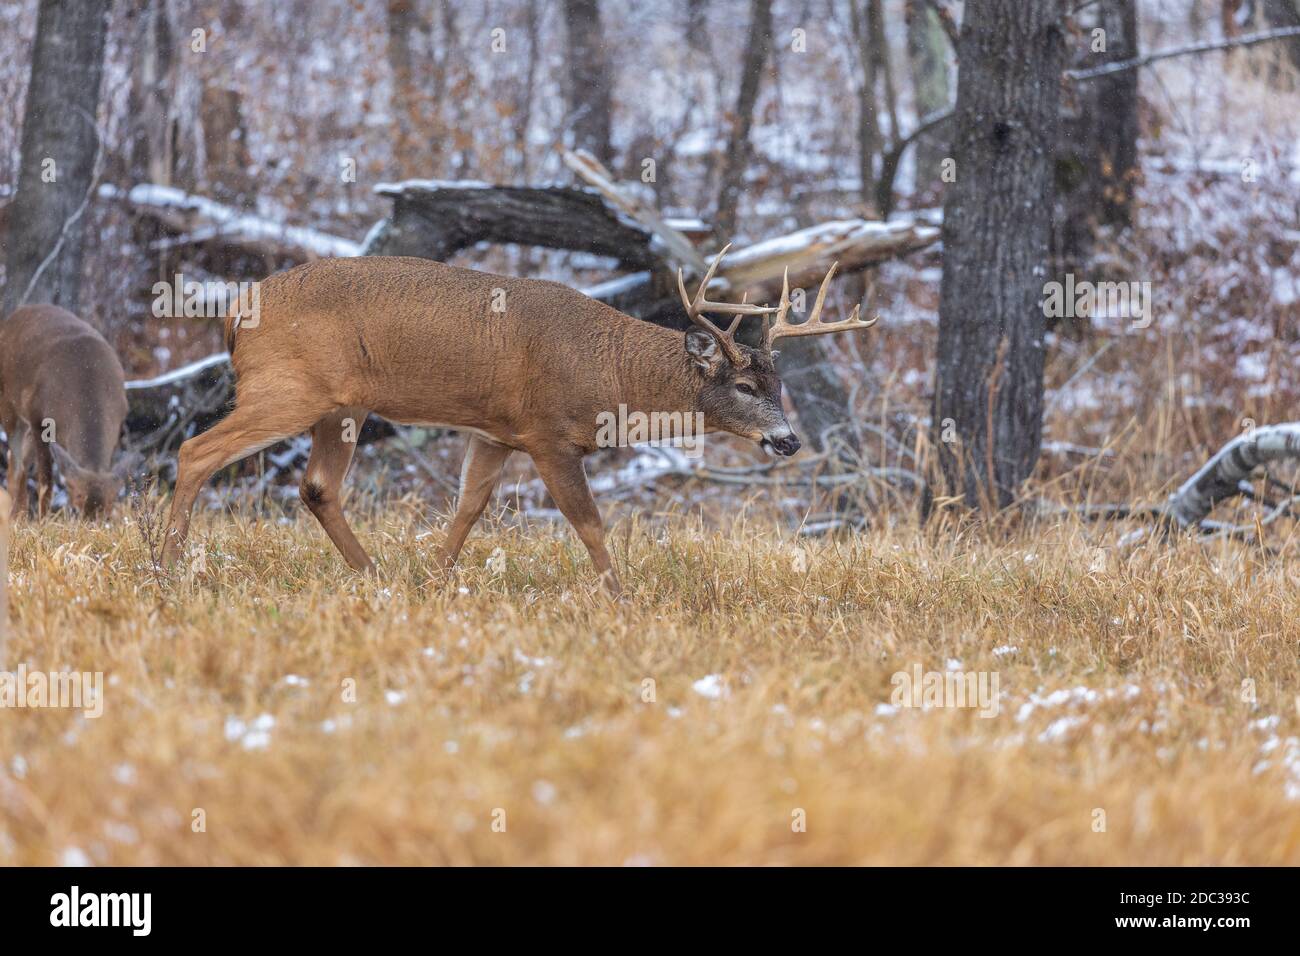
x=566 y=480
x=44 y=478
x=17 y=467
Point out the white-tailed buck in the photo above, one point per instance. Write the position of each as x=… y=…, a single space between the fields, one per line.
x=520 y=364
x=62 y=397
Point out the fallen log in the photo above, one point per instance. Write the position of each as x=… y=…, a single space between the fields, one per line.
x=196 y=219
x=435 y=220
x=679 y=250
x=1225 y=476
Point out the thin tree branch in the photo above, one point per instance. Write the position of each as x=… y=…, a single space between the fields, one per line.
x=1249 y=39
x=893 y=156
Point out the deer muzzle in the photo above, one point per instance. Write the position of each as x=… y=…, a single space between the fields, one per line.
x=782 y=441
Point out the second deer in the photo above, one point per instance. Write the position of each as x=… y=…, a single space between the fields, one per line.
x=63 y=399
x=419 y=342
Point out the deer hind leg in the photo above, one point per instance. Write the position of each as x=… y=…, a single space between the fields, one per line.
x=333 y=441
x=479 y=474
x=566 y=480
x=252 y=426
x=44 y=477
x=18 y=433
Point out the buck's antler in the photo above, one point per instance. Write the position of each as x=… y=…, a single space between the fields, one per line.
x=696 y=307
x=814 y=325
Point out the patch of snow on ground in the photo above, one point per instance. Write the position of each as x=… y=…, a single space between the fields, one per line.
x=711 y=686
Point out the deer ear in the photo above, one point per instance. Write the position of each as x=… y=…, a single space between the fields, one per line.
x=704 y=350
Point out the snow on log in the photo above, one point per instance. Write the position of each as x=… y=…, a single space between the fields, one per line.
x=854 y=243
x=1223 y=476
x=197 y=219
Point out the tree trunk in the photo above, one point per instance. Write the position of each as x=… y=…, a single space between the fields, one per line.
x=1096 y=162
x=880 y=48
x=60 y=147
x=927 y=56
x=868 y=118
x=153 y=88
x=697 y=25
x=410 y=149
x=227 y=163
x=997 y=221
x=1285 y=13
x=589 y=82
x=736 y=160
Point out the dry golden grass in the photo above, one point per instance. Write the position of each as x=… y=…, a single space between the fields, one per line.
x=521 y=690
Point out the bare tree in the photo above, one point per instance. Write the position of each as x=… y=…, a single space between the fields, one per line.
x=1096 y=159
x=997 y=221
x=1285 y=13
x=60 y=149
x=880 y=49
x=869 y=138
x=735 y=162
x=927 y=56
x=697 y=14
x=153 y=87
x=588 y=82
x=403 y=22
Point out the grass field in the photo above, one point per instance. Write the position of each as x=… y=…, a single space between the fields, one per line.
x=314 y=717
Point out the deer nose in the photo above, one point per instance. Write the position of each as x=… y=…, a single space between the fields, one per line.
x=787 y=444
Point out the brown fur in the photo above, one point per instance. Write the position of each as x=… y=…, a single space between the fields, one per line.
x=55 y=367
x=416 y=341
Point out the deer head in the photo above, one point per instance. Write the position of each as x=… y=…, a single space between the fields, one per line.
x=92 y=493
x=741 y=393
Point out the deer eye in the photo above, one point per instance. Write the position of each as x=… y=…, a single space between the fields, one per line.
x=744 y=388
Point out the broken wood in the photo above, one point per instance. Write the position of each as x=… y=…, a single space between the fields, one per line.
x=435 y=220
x=1225 y=476
x=856 y=244
x=197 y=219
x=680 y=251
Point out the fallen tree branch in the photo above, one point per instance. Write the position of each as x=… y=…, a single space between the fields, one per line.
x=680 y=250
x=198 y=219
x=855 y=244
x=1225 y=476
x=1222 y=476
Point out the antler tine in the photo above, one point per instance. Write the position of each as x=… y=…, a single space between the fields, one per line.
x=740 y=317
x=813 y=325
x=699 y=304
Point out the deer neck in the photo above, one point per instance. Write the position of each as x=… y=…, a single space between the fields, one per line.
x=659 y=376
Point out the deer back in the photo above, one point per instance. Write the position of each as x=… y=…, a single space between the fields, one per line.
x=418 y=341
